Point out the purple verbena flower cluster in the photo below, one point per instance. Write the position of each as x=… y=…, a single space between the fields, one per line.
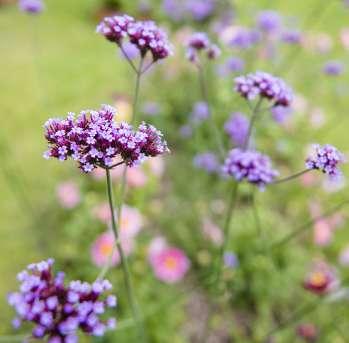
x=200 y=112
x=93 y=139
x=199 y=42
x=266 y=86
x=237 y=128
x=146 y=36
x=251 y=166
x=31 y=6
x=326 y=158
x=59 y=311
x=333 y=68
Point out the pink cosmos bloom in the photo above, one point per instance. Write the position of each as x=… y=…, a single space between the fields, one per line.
x=170 y=264
x=104 y=246
x=322 y=233
x=212 y=232
x=68 y=194
x=131 y=219
x=155 y=247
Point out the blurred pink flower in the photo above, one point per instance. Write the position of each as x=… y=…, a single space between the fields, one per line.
x=317 y=118
x=322 y=233
x=309 y=179
x=103 y=247
x=68 y=194
x=156 y=245
x=212 y=232
x=135 y=177
x=131 y=219
x=344 y=36
x=98 y=173
x=170 y=264
x=157 y=165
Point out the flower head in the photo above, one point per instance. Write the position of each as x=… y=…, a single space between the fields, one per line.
x=244 y=38
x=31 y=6
x=199 y=42
x=104 y=249
x=321 y=279
x=93 y=139
x=264 y=85
x=237 y=128
x=333 y=68
x=115 y=28
x=308 y=332
x=269 y=21
x=200 y=112
x=251 y=166
x=325 y=158
x=170 y=264
x=57 y=310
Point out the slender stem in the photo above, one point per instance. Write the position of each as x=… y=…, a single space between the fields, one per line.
x=226 y=228
x=136 y=92
x=148 y=67
x=127 y=57
x=124 y=263
x=255 y=113
x=291 y=177
x=117 y=164
x=307 y=225
x=204 y=94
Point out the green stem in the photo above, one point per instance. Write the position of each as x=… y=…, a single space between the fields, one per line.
x=204 y=94
x=292 y=177
x=136 y=92
x=226 y=228
x=127 y=276
x=255 y=113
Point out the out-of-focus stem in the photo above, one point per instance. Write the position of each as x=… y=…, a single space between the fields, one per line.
x=255 y=113
x=127 y=276
x=291 y=177
x=226 y=228
x=204 y=94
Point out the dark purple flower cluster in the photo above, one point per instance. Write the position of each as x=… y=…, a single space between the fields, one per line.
x=237 y=128
x=93 y=139
x=31 y=6
x=198 y=42
x=146 y=36
x=266 y=86
x=325 y=158
x=59 y=311
x=250 y=165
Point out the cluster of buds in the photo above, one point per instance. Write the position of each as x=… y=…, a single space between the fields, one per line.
x=146 y=36
x=251 y=166
x=59 y=311
x=93 y=139
x=264 y=85
x=325 y=158
x=199 y=42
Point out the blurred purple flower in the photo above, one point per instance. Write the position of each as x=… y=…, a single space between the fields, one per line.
x=231 y=65
x=151 y=108
x=207 y=161
x=333 y=68
x=230 y=260
x=186 y=131
x=251 y=166
x=244 y=38
x=200 y=112
x=31 y=6
x=130 y=50
x=200 y=9
x=237 y=128
x=280 y=113
x=291 y=37
x=269 y=21
x=174 y=9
